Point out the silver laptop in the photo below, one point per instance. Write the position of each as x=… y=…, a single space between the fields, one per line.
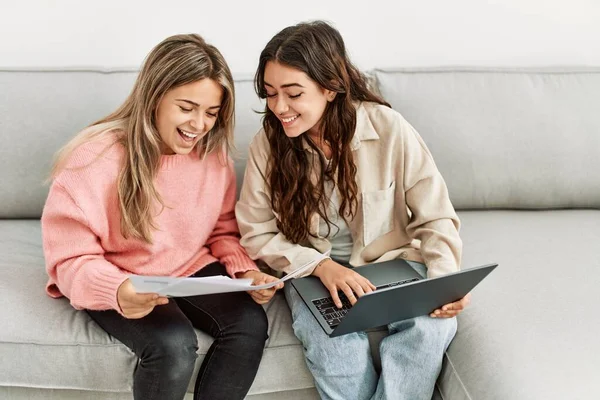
x=402 y=293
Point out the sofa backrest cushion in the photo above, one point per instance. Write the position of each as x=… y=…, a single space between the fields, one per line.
x=40 y=110
x=502 y=138
x=506 y=138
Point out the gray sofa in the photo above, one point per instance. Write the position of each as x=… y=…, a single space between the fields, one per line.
x=520 y=152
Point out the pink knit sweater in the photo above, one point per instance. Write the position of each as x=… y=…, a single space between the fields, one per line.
x=87 y=258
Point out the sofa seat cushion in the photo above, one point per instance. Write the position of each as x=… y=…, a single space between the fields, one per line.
x=45 y=343
x=531 y=331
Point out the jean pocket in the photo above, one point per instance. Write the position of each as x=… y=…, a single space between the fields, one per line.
x=378 y=212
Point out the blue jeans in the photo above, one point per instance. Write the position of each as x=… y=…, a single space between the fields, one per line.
x=166 y=344
x=411 y=356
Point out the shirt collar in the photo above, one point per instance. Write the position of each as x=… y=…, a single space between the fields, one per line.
x=364 y=129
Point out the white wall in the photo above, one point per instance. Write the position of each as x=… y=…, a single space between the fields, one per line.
x=118 y=33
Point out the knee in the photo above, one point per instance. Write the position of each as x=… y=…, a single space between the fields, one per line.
x=174 y=351
x=310 y=333
x=350 y=353
x=317 y=344
x=305 y=327
x=252 y=326
x=428 y=330
x=439 y=329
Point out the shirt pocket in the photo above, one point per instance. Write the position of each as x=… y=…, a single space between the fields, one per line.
x=378 y=213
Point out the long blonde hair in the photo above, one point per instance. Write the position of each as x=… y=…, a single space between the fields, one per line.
x=176 y=61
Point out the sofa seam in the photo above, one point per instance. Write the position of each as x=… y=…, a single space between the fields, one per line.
x=99 y=70
x=111 y=344
x=120 y=391
x=440 y=391
x=247 y=77
x=556 y=69
x=237 y=77
x=300 y=387
x=63 y=344
x=283 y=391
x=60 y=388
x=458 y=377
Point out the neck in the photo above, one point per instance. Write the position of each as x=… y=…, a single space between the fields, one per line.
x=317 y=137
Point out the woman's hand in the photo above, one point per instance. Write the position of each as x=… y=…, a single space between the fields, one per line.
x=137 y=305
x=337 y=277
x=452 y=309
x=261 y=296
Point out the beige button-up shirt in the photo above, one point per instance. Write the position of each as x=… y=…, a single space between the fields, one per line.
x=403 y=206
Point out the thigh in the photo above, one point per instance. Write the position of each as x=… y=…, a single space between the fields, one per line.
x=166 y=323
x=433 y=334
x=342 y=366
x=311 y=334
x=214 y=313
x=304 y=324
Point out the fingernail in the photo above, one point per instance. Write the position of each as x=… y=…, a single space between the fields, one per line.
x=432 y=315
x=437 y=312
x=444 y=308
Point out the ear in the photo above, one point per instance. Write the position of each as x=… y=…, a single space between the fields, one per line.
x=330 y=95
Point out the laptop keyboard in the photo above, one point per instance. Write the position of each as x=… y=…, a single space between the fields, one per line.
x=334 y=315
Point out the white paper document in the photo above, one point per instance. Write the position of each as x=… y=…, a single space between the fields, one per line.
x=180 y=287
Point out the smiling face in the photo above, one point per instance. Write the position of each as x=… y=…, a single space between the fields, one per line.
x=296 y=100
x=187 y=113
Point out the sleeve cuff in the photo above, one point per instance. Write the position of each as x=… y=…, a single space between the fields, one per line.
x=434 y=271
x=307 y=260
x=237 y=262
x=104 y=286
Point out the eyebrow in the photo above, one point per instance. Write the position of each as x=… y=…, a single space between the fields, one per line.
x=196 y=104
x=287 y=85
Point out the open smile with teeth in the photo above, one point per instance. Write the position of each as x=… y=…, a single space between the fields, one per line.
x=187 y=134
x=290 y=119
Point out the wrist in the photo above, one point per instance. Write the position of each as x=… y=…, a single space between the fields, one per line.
x=243 y=274
x=319 y=267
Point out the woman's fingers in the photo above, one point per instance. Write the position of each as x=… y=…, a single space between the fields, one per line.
x=333 y=291
x=370 y=285
x=367 y=286
x=353 y=286
x=265 y=293
x=136 y=312
x=262 y=296
x=338 y=278
x=347 y=290
x=445 y=314
x=266 y=278
x=270 y=279
x=140 y=314
x=452 y=309
x=358 y=291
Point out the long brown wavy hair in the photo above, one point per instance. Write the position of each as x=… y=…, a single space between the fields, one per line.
x=317 y=49
x=176 y=61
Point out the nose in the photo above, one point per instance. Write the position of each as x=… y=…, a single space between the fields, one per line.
x=281 y=105
x=198 y=123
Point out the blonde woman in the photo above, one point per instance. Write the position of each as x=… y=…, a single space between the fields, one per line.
x=150 y=190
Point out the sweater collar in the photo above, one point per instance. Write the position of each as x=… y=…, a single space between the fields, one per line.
x=171 y=161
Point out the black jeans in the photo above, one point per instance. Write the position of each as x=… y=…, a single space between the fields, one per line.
x=166 y=344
